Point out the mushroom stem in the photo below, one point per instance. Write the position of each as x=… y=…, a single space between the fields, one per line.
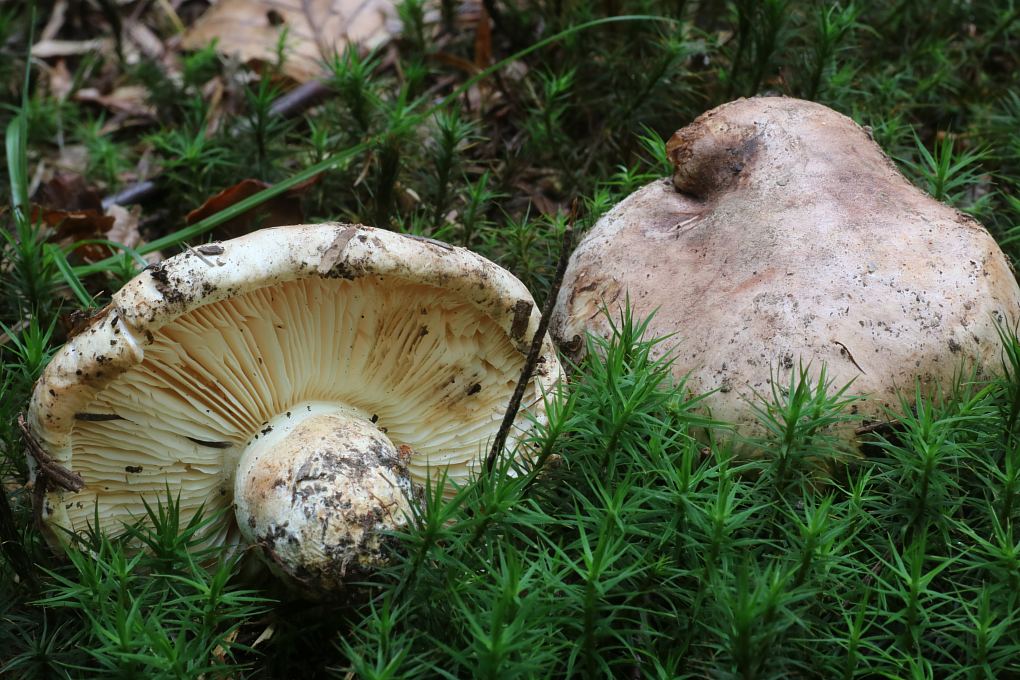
x=316 y=492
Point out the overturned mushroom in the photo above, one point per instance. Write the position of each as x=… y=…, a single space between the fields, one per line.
x=786 y=235
x=308 y=376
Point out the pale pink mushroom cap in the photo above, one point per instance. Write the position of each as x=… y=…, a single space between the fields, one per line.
x=786 y=235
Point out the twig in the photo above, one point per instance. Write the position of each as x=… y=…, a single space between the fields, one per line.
x=850 y=356
x=300 y=99
x=50 y=471
x=881 y=427
x=536 y=345
x=133 y=193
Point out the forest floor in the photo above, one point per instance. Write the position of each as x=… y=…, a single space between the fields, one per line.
x=138 y=128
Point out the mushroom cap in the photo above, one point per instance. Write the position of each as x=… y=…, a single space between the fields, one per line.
x=192 y=359
x=787 y=235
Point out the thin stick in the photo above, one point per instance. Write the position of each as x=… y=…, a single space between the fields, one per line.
x=133 y=193
x=51 y=471
x=300 y=99
x=536 y=346
x=881 y=427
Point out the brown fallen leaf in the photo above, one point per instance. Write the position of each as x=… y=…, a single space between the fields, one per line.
x=132 y=100
x=71 y=226
x=79 y=216
x=541 y=202
x=276 y=212
x=540 y=187
x=316 y=29
x=71 y=160
x=68 y=191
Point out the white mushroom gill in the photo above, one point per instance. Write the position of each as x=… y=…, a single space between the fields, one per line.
x=425 y=366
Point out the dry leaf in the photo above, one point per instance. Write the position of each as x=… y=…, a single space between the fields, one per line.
x=74 y=211
x=68 y=191
x=73 y=158
x=541 y=202
x=60 y=80
x=276 y=212
x=76 y=225
x=130 y=99
x=264 y=635
x=125 y=225
x=148 y=42
x=316 y=29
x=44 y=49
x=219 y=651
x=540 y=187
x=55 y=22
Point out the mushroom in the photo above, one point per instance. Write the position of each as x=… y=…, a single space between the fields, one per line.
x=786 y=235
x=308 y=376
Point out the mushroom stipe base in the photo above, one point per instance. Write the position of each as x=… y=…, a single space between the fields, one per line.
x=317 y=493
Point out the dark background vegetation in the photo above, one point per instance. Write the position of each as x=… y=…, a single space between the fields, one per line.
x=640 y=552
